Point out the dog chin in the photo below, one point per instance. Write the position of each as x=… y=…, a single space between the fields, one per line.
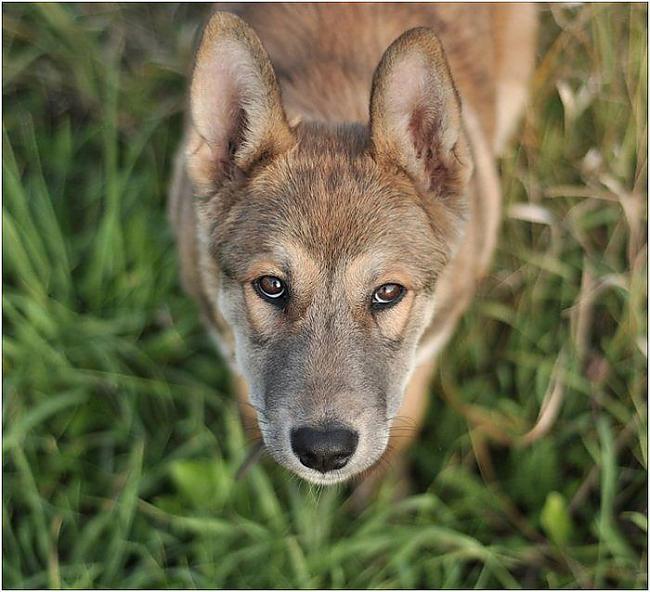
x=330 y=478
x=317 y=478
x=312 y=476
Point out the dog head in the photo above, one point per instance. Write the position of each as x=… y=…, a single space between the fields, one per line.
x=321 y=244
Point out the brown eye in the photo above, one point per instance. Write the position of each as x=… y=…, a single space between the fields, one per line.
x=387 y=295
x=270 y=288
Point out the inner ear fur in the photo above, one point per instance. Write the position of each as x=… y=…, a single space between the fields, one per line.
x=236 y=110
x=415 y=115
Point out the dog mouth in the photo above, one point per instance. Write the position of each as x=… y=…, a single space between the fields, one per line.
x=333 y=477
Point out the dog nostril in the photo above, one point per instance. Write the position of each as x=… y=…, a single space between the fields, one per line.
x=325 y=449
x=340 y=460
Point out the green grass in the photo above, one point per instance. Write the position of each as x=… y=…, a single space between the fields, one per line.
x=120 y=435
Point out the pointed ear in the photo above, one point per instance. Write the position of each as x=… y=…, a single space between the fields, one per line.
x=237 y=115
x=415 y=115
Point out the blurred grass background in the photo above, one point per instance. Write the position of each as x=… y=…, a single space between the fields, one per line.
x=120 y=435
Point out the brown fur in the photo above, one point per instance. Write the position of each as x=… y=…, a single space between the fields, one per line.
x=347 y=188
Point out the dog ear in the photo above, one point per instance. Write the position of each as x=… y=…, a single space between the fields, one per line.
x=415 y=115
x=237 y=114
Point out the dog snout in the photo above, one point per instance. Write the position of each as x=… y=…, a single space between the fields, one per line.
x=324 y=449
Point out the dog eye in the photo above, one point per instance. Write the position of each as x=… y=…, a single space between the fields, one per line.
x=271 y=288
x=387 y=295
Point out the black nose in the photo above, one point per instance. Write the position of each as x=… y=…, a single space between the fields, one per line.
x=324 y=449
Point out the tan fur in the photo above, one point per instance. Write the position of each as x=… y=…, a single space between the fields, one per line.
x=324 y=57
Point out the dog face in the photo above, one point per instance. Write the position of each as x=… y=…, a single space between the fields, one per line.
x=321 y=244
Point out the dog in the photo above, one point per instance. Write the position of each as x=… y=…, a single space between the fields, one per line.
x=336 y=201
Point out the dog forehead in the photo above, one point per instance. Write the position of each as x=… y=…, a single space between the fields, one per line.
x=328 y=197
x=334 y=200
